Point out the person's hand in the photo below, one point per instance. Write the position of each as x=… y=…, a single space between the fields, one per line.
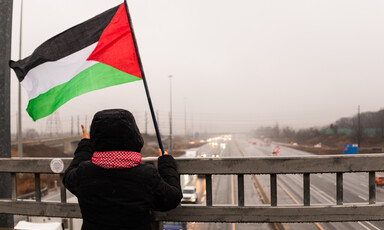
x=165 y=153
x=85 y=135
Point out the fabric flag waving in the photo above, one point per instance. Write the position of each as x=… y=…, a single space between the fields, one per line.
x=95 y=54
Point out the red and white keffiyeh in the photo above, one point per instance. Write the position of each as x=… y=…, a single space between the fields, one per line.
x=116 y=159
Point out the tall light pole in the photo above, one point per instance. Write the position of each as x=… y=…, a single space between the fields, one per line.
x=19 y=114
x=358 y=127
x=170 y=113
x=185 y=116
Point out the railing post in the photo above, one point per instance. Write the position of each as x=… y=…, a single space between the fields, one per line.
x=5 y=130
x=63 y=190
x=14 y=186
x=307 y=192
x=208 y=189
x=240 y=189
x=372 y=187
x=273 y=178
x=339 y=188
x=37 y=187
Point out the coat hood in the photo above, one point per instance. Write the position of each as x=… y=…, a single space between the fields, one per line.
x=115 y=129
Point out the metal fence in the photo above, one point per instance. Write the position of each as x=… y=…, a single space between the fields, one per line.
x=240 y=213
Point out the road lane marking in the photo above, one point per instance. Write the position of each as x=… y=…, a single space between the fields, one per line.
x=373 y=226
x=362 y=197
x=287 y=192
x=362 y=225
x=294 y=199
x=263 y=197
x=319 y=226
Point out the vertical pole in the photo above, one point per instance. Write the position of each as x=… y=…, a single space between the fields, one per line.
x=339 y=188
x=144 y=80
x=208 y=189
x=37 y=187
x=78 y=125
x=185 y=116
x=5 y=130
x=273 y=179
x=170 y=113
x=372 y=187
x=358 y=127
x=63 y=190
x=19 y=114
x=307 y=191
x=71 y=126
x=14 y=186
x=240 y=189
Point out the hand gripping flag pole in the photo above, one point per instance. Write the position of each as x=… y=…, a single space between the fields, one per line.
x=144 y=80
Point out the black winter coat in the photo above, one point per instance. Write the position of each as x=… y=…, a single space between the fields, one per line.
x=121 y=198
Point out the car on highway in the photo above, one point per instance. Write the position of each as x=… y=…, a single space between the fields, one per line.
x=189 y=195
x=380 y=180
x=171 y=225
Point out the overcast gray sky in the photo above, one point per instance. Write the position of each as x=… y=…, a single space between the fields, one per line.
x=235 y=64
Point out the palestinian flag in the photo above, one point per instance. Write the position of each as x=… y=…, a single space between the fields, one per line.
x=95 y=54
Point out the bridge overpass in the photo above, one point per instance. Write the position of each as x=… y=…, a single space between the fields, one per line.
x=66 y=144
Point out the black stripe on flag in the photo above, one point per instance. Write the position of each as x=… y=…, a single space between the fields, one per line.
x=65 y=43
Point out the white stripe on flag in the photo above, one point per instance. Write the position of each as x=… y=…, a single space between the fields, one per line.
x=50 y=74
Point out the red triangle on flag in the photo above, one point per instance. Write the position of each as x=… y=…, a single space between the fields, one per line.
x=115 y=46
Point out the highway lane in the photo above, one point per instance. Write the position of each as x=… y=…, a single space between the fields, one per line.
x=323 y=188
x=323 y=191
x=224 y=189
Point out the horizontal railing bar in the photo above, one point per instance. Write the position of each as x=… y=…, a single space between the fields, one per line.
x=269 y=214
x=229 y=214
x=33 y=208
x=250 y=165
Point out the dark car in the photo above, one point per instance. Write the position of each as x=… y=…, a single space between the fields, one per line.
x=175 y=225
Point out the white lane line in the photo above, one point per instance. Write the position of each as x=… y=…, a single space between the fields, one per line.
x=323 y=194
x=362 y=197
x=362 y=225
x=373 y=226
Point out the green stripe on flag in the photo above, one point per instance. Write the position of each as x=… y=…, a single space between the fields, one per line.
x=96 y=77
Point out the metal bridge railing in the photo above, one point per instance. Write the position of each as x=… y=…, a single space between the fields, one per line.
x=240 y=213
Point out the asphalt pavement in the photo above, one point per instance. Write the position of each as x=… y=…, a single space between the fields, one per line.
x=290 y=187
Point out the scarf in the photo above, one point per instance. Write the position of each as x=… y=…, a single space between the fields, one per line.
x=116 y=159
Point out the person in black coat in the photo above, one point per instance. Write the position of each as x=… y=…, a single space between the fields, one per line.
x=114 y=189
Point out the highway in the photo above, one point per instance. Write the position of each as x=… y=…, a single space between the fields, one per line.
x=290 y=187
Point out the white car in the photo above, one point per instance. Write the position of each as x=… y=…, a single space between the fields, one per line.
x=189 y=195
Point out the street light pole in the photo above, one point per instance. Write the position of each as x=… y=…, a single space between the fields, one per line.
x=170 y=113
x=19 y=114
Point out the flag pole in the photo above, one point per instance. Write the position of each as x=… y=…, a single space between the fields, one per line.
x=144 y=80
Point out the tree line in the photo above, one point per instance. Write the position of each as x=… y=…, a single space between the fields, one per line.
x=363 y=124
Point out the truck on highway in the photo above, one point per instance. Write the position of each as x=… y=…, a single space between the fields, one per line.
x=191 y=152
